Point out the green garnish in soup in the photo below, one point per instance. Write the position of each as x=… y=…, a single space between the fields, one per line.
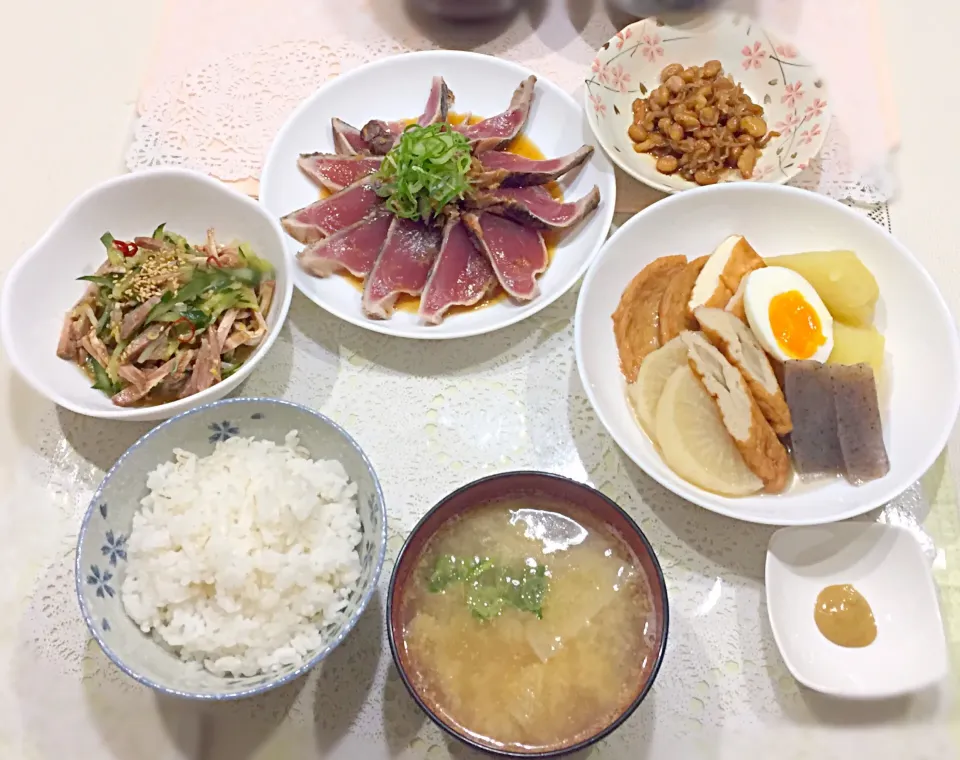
x=491 y=587
x=567 y=624
x=426 y=170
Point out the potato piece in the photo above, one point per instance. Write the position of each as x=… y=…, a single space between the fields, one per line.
x=846 y=286
x=856 y=345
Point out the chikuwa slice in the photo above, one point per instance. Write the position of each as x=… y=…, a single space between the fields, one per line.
x=694 y=441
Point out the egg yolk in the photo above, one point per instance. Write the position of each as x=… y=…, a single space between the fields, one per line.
x=795 y=325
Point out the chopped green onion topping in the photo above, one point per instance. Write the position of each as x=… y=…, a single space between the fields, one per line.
x=491 y=587
x=426 y=170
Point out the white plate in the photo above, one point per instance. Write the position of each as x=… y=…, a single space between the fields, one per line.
x=772 y=71
x=396 y=88
x=920 y=383
x=885 y=564
x=42 y=284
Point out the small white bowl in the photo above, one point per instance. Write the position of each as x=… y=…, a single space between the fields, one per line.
x=773 y=73
x=483 y=86
x=920 y=383
x=884 y=563
x=42 y=285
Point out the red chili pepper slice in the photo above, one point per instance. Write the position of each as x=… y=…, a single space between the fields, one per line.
x=213 y=261
x=127 y=249
x=186 y=338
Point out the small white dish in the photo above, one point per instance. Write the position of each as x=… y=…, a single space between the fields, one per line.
x=396 y=88
x=920 y=381
x=772 y=71
x=887 y=566
x=42 y=285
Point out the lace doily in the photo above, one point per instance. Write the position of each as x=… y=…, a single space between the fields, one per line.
x=218 y=113
x=510 y=400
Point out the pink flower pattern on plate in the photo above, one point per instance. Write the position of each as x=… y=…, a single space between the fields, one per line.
x=600 y=70
x=599 y=106
x=809 y=135
x=787 y=126
x=762 y=172
x=815 y=108
x=786 y=51
x=792 y=93
x=619 y=79
x=650 y=47
x=753 y=57
x=623 y=36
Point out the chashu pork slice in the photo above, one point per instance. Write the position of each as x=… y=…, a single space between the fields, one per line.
x=461 y=275
x=510 y=170
x=517 y=253
x=354 y=248
x=494 y=133
x=329 y=215
x=737 y=342
x=535 y=207
x=402 y=267
x=758 y=444
x=334 y=172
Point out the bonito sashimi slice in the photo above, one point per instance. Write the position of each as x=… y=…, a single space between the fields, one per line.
x=512 y=170
x=517 y=253
x=332 y=214
x=402 y=267
x=495 y=132
x=461 y=275
x=354 y=248
x=334 y=172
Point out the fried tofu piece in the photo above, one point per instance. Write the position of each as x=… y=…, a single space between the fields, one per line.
x=720 y=277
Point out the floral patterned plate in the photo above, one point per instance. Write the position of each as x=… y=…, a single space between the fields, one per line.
x=772 y=72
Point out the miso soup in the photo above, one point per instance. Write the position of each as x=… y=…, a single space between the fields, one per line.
x=527 y=625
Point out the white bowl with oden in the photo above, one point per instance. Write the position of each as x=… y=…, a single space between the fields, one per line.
x=918 y=387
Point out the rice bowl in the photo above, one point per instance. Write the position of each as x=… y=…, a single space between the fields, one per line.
x=105 y=550
x=234 y=558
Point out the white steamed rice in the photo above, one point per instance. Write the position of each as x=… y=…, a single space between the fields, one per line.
x=236 y=559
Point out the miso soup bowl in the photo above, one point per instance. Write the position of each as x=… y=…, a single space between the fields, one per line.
x=512 y=485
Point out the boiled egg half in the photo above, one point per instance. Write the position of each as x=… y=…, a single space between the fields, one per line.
x=787 y=316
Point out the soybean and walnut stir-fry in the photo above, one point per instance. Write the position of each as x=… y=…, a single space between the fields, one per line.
x=699 y=124
x=163 y=319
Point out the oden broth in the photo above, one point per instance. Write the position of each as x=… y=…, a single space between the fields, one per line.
x=507 y=677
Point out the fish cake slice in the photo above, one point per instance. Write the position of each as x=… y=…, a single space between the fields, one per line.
x=737 y=342
x=675 y=315
x=758 y=444
x=636 y=322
